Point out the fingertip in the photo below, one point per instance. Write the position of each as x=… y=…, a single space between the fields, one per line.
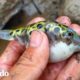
x=36 y=40
x=76 y=28
x=35 y=20
x=45 y=39
x=64 y=20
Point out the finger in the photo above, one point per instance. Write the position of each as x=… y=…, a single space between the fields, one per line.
x=52 y=71
x=13 y=51
x=10 y=55
x=76 y=28
x=34 y=59
x=35 y=20
x=64 y=20
x=72 y=70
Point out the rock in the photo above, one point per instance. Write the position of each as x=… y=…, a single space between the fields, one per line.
x=71 y=8
x=32 y=8
x=46 y=8
x=7 y=9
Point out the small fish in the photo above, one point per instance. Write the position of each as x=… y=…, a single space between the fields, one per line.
x=63 y=40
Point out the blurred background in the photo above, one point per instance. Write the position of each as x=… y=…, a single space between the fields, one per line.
x=17 y=13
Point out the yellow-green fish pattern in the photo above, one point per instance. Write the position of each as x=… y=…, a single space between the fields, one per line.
x=53 y=30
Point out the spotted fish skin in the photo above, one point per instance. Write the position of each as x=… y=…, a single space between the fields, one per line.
x=11 y=34
x=52 y=29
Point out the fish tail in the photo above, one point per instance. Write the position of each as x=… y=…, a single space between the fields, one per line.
x=5 y=35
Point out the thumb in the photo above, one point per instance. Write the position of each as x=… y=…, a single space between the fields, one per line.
x=34 y=59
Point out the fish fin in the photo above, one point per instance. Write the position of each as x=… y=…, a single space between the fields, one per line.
x=23 y=38
x=51 y=36
x=5 y=35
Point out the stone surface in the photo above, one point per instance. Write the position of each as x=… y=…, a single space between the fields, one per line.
x=7 y=9
x=30 y=9
x=26 y=2
x=71 y=8
x=47 y=8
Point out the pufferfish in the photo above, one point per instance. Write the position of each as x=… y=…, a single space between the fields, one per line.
x=63 y=40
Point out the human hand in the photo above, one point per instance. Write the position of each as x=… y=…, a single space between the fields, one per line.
x=26 y=63
x=29 y=63
x=66 y=70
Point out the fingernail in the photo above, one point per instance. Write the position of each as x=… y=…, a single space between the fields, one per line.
x=36 y=39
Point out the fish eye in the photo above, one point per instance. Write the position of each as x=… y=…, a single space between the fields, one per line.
x=70 y=34
x=39 y=26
